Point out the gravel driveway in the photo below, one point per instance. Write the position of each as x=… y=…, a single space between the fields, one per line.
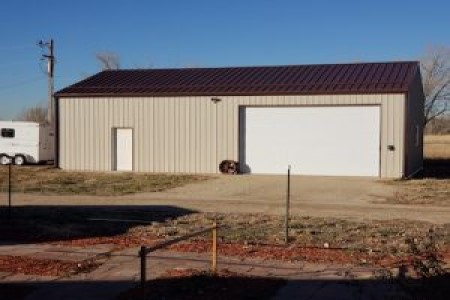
x=342 y=197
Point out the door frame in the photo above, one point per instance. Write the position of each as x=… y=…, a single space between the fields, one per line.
x=114 y=148
x=241 y=119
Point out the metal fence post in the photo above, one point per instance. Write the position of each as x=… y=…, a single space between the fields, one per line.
x=288 y=200
x=143 y=255
x=9 y=191
x=214 y=248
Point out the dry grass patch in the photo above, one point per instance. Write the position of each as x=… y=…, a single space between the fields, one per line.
x=437 y=146
x=434 y=186
x=420 y=192
x=47 y=180
x=380 y=236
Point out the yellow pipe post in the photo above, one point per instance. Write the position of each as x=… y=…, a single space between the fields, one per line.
x=214 y=249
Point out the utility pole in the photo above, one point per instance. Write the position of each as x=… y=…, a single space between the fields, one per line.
x=50 y=58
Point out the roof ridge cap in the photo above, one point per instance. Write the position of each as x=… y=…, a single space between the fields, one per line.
x=262 y=66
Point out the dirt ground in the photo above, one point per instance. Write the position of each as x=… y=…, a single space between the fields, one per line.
x=346 y=221
x=423 y=199
x=350 y=198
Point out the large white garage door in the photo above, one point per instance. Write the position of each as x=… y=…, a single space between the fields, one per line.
x=336 y=141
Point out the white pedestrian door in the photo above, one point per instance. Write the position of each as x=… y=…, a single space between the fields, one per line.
x=124 y=149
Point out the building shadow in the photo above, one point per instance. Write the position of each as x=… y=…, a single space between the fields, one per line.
x=437 y=168
x=234 y=287
x=33 y=224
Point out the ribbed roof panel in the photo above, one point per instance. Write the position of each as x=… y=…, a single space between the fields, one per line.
x=383 y=77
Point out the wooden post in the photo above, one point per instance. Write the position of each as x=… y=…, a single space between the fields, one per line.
x=288 y=200
x=214 y=249
x=143 y=255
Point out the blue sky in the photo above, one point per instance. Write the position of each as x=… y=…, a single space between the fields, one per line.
x=180 y=33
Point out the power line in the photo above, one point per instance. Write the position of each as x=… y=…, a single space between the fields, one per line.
x=21 y=83
x=17 y=62
x=16 y=47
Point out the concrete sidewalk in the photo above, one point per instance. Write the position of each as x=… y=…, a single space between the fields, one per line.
x=120 y=271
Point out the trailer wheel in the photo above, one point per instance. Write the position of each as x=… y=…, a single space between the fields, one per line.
x=4 y=160
x=19 y=160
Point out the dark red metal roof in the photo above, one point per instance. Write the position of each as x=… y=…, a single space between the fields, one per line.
x=383 y=77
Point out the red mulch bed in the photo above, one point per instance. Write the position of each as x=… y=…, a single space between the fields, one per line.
x=275 y=252
x=293 y=253
x=188 y=284
x=120 y=241
x=43 y=267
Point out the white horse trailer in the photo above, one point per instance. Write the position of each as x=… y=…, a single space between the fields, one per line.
x=25 y=142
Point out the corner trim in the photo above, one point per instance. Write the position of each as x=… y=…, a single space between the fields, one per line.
x=413 y=174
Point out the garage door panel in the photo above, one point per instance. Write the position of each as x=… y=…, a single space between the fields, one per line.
x=313 y=140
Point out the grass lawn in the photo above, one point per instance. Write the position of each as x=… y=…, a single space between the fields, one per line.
x=48 y=180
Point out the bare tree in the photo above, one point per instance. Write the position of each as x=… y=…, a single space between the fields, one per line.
x=108 y=60
x=34 y=114
x=435 y=67
x=439 y=125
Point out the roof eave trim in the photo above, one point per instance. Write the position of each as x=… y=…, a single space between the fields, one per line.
x=161 y=95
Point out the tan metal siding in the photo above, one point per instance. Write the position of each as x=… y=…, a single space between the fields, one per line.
x=178 y=134
x=415 y=116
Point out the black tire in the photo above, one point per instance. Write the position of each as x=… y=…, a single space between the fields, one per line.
x=19 y=160
x=229 y=167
